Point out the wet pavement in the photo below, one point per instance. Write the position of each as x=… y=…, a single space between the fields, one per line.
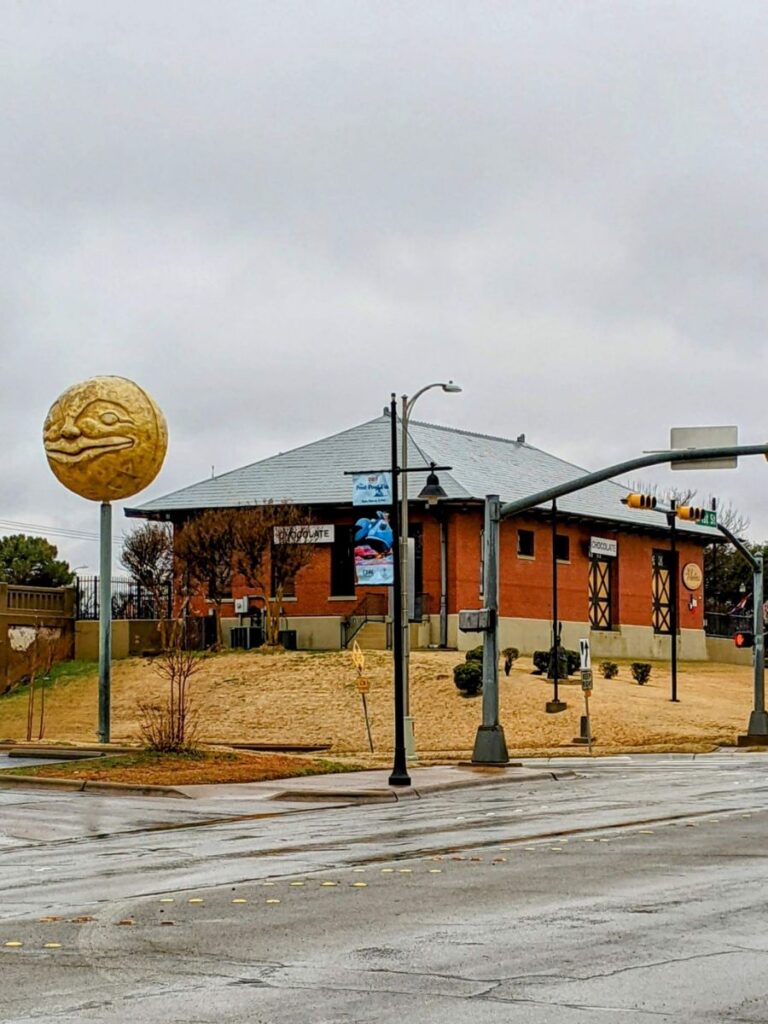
x=631 y=892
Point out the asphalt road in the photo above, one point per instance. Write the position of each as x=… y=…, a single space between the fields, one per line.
x=634 y=892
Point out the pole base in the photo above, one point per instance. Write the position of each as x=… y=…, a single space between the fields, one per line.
x=753 y=740
x=490 y=746
x=758 y=724
x=410 y=738
x=552 y=707
x=399 y=778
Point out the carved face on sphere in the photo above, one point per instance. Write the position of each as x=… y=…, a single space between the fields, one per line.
x=105 y=438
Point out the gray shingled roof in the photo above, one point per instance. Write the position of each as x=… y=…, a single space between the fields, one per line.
x=314 y=474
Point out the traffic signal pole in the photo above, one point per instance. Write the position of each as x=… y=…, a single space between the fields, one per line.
x=513 y=508
x=757 y=730
x=673 y=598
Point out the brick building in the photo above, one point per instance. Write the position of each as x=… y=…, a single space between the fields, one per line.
x=613 y=563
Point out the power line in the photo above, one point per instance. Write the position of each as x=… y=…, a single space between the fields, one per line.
x=7 y=525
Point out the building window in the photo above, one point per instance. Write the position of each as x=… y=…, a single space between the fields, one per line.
x=525 y=543
x=661 y=591
x=600 y=595
x=562 y=548
x=343 y=563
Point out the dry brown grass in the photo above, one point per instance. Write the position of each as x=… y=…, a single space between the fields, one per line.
x=304 y=697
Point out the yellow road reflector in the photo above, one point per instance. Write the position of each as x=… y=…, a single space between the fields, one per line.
x=328 y=884
x=13 y=944
x=196 y=899
x=435 y=871
x=127 y=921
x=239 y=900
x=267 y=883
x=406 y=871
x=556 y=849
x=52 y=945
x=359 y=885
x=646 y=832
x=297 y=883
x=50 y=919
x=387 y=871
x=168 y=899
x=358 y=869
x=273 y=901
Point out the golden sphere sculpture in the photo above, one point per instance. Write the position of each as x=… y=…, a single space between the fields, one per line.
x=105 y=438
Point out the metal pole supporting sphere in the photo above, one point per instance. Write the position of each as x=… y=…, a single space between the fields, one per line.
x=399 y=776
x=105 y=621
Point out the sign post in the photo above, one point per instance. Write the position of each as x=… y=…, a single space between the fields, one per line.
x=363 y=686
x=586 y=686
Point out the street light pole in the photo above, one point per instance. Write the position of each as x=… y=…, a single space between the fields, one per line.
x=407 y=405
x=399 y=776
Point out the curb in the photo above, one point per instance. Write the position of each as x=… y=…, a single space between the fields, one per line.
x=395 y=793
x=83 y=785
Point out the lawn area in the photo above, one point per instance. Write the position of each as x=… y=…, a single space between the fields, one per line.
x=208 y=766
x=303 y=697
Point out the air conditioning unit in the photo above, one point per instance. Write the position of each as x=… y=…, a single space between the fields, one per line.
x=241 y=605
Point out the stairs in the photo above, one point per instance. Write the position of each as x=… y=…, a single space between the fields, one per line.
x=372 y=636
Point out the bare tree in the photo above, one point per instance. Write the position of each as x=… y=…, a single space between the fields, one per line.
x=40 y=647
x=274 y=545
x=148 y=556
x=169 y=725
x=206 y=547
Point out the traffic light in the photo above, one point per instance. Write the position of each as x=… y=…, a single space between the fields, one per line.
x=639 y=501
x=744 y=639
x=690 y=512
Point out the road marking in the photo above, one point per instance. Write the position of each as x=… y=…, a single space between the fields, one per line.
x=240 y=900
x=359 y=885
x=329 y=883
x=167 y=899
x=52 y=945
x=273 y=901
x=435 y=871
x=13 y=944
x=406 y=871
x=196 y=899
x=296 y=883
x=387 y=871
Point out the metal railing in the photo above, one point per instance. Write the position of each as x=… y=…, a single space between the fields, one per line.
x=723 y=624
x=371 y=606
x=129 y=600
x=45 y=600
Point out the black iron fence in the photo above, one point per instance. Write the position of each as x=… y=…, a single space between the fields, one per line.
x=727 y=625
x=129 y=600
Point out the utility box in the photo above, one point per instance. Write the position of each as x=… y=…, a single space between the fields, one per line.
x=479 y=620
x=241 y=605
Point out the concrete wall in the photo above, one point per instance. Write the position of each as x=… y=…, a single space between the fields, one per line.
x=723 y=649
x=530 y=635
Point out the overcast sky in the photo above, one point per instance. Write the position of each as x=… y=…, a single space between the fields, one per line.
x=271 y=215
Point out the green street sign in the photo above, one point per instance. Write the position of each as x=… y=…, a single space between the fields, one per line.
x=709 y=518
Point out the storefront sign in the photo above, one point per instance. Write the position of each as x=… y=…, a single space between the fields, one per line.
x=692 y=576
x=372 y=489
x=309 y=534
x=374 y=559
x=601 y=547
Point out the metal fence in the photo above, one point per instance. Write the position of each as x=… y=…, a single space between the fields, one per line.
x=129 y=600
x=725 y=624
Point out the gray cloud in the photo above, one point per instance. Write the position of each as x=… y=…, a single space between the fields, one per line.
x=273 y=214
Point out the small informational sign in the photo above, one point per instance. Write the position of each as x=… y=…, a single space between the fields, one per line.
x=586 y=679
x=374 y=557
x=372 y=489
x=363 y=685
x=693 y=577
x=309 y=534
x=585 y=655
x=704 y=437
x=602 y=547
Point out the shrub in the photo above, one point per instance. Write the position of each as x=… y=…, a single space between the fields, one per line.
x=609 y=669
x=468 y=677
x=540 y=662
x=641 y=672
x=476 y=654
x=510 y=654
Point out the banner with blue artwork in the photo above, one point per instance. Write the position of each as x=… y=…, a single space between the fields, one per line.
x=374 y=559
x=372 y=489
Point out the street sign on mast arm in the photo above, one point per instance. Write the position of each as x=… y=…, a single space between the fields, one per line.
x=704 y=437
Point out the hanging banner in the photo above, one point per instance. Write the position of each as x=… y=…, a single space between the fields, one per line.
x=374 y=559
x=372 y=489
